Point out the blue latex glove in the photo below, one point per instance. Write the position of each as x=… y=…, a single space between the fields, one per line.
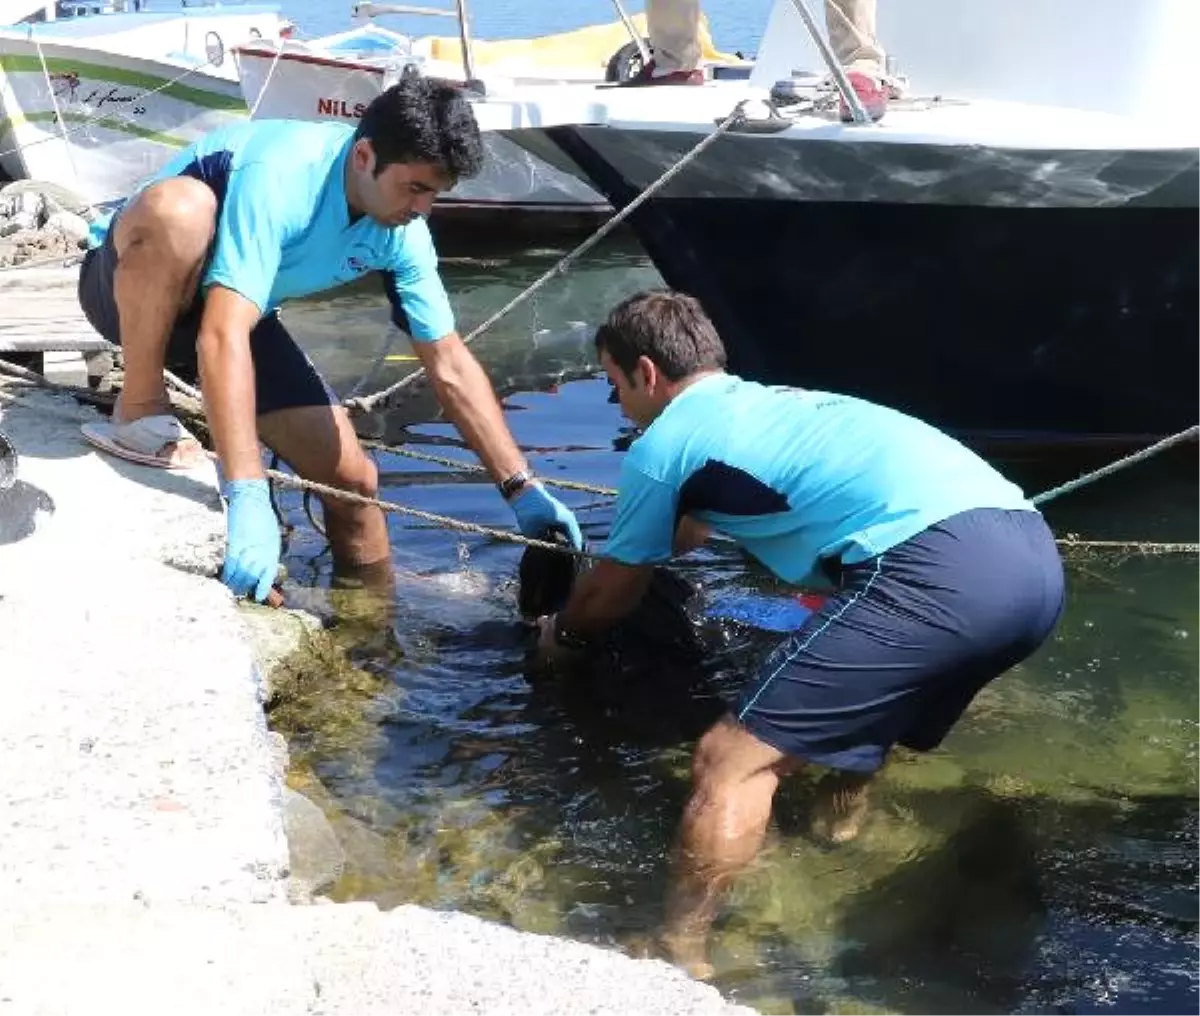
x=252 y=550
x=537 y=511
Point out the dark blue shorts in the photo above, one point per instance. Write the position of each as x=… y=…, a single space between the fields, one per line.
x=909 y=639
x=284 y=377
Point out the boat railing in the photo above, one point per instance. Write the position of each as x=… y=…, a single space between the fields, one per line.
x=370 y=9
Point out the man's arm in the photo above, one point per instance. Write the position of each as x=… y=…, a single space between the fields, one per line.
x=420 y=307
x=604 y=595
x=237 y=284
x=227 y=378
x=690 y=534
x=641 y=537
x=466 y=394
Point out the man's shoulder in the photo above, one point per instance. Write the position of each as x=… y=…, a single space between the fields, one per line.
x=296 y=146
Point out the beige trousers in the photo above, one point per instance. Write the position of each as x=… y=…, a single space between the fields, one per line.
x=674 y=27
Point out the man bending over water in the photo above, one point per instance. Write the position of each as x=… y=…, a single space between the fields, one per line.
x=942 y=576
x=190 y=274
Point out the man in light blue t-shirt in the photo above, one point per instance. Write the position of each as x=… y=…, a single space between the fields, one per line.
x=190 y=274
x=940 y=576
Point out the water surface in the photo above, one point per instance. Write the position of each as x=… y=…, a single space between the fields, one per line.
x=1045 y=859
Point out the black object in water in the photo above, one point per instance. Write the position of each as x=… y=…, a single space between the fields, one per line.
x=8 y=462
x=646 y=680
x=662 y=623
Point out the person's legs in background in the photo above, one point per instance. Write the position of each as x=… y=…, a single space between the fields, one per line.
x=674 y=30
x=851 y=27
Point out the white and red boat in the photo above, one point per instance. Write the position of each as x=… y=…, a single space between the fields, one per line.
x=334 y=77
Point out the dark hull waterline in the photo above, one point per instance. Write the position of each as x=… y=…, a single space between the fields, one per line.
x=1057 y=321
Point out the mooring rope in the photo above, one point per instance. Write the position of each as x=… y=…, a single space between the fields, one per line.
x=472 y=467
x=365 y=404
x=29 y=378
x=1115 y=467
x=26 y=377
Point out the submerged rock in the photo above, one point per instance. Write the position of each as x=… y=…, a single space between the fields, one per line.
x=39 y=221
x=315 y=855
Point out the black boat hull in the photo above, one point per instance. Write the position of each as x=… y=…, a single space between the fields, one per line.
x=1033 y=296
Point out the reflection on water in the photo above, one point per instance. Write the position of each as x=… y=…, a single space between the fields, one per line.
x=1044 y=860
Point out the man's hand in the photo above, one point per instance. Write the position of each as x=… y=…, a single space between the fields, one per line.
x=537 y=511
x=252 y=550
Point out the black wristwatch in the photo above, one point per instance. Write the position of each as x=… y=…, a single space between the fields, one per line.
x=513 y=484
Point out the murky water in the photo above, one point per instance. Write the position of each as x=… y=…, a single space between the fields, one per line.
x=1044 y=861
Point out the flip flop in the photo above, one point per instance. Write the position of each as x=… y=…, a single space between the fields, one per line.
x=160 y=441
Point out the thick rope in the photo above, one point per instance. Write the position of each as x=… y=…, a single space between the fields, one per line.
x=1115 y=467
x=447 y=522
x=443 y=521
x=297 y=483
x=471 y=467
x=368 y=403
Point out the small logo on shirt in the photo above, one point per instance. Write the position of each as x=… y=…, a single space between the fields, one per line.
x=359 y=259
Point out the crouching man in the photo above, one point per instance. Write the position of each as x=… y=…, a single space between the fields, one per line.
x=942 y=576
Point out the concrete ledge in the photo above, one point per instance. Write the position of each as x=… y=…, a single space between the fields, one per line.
x=145 y=866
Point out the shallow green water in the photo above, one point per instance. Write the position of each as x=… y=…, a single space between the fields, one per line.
x=1043 y=860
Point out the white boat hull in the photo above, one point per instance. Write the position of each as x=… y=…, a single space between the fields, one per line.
x=82 y=114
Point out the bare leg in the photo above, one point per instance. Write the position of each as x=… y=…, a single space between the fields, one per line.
x=320 y=444
x=734 y=776
x=161 y=240
x=842 y=799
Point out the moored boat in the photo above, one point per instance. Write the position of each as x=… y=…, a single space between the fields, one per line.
x=1011 y=252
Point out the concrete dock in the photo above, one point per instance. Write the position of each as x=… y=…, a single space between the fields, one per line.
x=145 y=865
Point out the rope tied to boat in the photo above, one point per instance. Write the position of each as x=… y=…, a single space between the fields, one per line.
x=21 y=377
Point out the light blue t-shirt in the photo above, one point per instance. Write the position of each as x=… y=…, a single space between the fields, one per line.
x=284 y=228
x=794 y=476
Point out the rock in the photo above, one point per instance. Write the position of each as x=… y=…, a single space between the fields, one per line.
x=72 y=226
x=18 y=222
x=279 y=751
x=316 y=857
x=39 y=221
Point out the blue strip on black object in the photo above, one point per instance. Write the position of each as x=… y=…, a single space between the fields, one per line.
x=770 y=613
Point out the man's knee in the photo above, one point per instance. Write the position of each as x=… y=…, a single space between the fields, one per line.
x=728 y=755
x=175 y=217
x=356 y=473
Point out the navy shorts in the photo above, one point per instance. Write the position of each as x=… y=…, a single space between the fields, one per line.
x=284 y=377
x=899 y=651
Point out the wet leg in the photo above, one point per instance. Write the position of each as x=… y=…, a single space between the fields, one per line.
x=842 y=803
x=734 y=776
x=320 y=444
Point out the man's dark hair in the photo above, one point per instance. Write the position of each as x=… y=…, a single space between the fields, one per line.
x=422 y=119
x=668 y=327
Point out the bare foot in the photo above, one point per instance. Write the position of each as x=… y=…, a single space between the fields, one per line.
x=688 y=952
x=841 y=807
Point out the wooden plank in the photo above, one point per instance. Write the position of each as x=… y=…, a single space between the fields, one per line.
x=39 y=311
